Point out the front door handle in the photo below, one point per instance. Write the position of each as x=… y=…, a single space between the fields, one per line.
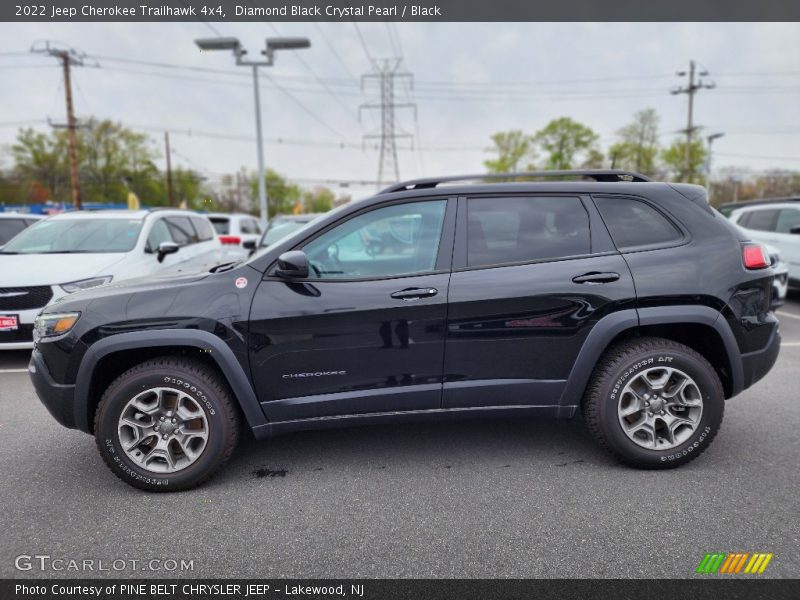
x=595 y=278
x=414 y=293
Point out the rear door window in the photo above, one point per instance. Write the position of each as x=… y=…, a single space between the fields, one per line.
x=249 y=226
x=633 y=223
x=788 y=219
x=522 y=229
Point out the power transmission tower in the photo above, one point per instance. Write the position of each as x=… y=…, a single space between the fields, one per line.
x=690 y=91
x=69 y=57
x=385 y=72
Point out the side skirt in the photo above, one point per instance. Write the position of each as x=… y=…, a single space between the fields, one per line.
x=414 y=416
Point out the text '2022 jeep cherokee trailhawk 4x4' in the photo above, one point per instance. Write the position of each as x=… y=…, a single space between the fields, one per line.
x=632 y=300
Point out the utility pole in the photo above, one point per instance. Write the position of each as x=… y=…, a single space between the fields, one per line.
x=170 y=196
x=690 y=91
x=69 y=57
x=385 y=72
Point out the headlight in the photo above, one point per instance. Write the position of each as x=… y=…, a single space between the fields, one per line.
x=48 y=325
x=85 y=284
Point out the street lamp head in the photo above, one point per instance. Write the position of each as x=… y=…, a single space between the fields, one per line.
x=287 y=43
x=715 y=136
x=218 y=43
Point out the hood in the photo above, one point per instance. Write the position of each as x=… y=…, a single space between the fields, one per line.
x=23 y=270
x=138 y=284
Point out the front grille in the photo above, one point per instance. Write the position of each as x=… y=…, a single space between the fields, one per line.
x=24 y=298
x=23 y=334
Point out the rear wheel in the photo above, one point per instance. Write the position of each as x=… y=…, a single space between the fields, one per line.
x=166 y=425
x=654 y=403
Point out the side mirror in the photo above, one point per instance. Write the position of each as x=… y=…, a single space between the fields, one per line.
x=165 y=248
x=292 y=264
x=795 y=230
x=249 y=245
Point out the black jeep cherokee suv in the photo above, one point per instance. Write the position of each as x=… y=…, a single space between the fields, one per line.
x=631 y=300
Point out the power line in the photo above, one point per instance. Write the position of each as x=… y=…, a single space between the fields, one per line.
x=363 y=43
x=308 y=68
x=335 y=53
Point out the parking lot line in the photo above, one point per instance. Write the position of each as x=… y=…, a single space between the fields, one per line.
x=787 y=314
x=13 y=371
x=783 y=344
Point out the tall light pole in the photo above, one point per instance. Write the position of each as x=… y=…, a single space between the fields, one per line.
x=233 y=44
x=710 y=140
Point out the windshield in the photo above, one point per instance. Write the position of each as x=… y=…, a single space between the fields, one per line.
x=280 y=230
x=81 y=235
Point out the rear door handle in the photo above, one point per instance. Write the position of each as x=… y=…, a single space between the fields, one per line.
x=414 y=293
x=595 y=278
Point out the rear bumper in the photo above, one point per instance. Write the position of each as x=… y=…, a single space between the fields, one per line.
x=756 y=365
x=58 y=399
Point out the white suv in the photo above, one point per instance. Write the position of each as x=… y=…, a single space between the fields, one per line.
x=78 y=250
x=776 y=224
x=239 y=234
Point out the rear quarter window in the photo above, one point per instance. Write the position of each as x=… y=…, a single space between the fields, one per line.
x=635 y=224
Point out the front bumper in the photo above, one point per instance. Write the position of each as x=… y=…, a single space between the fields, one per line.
x=22 y=338
x=58 y=399
x=757 y=364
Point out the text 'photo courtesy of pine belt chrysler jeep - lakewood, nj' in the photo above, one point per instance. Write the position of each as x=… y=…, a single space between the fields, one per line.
x=630 y=301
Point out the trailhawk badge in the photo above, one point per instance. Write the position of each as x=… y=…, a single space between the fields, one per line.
x=241 y=282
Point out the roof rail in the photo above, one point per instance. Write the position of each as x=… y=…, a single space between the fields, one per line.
x=596 y=174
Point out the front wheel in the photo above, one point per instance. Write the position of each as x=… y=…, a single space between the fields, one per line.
x=654 y=403
x=166 y=425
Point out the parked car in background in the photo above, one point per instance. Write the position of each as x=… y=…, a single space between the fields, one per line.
x=84 y=249
x=238 y=233
x=780 y=285
x=727 y=208
x=776 y=224
x=11 y=223
x=282 y=225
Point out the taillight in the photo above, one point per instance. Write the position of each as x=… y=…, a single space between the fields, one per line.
x=755 y=256
x=233 y=240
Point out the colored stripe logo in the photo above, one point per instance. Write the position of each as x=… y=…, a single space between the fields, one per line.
x=734 y=563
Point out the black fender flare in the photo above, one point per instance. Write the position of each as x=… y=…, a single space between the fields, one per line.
x=219 y=351
x=610 y=326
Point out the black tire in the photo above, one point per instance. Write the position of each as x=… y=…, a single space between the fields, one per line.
x=622 y=362
x=182 y=375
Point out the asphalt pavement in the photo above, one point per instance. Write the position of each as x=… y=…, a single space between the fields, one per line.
x=494 y=499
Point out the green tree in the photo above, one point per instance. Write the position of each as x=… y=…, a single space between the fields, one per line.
x=514 y=150
x=112 y=161
x=40 y=162
x=319 y=200
x=637 y=145
x=564 y=140
x=282 y=196
x=674 y=158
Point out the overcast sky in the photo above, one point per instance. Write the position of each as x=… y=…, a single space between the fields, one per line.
x=470 y=80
